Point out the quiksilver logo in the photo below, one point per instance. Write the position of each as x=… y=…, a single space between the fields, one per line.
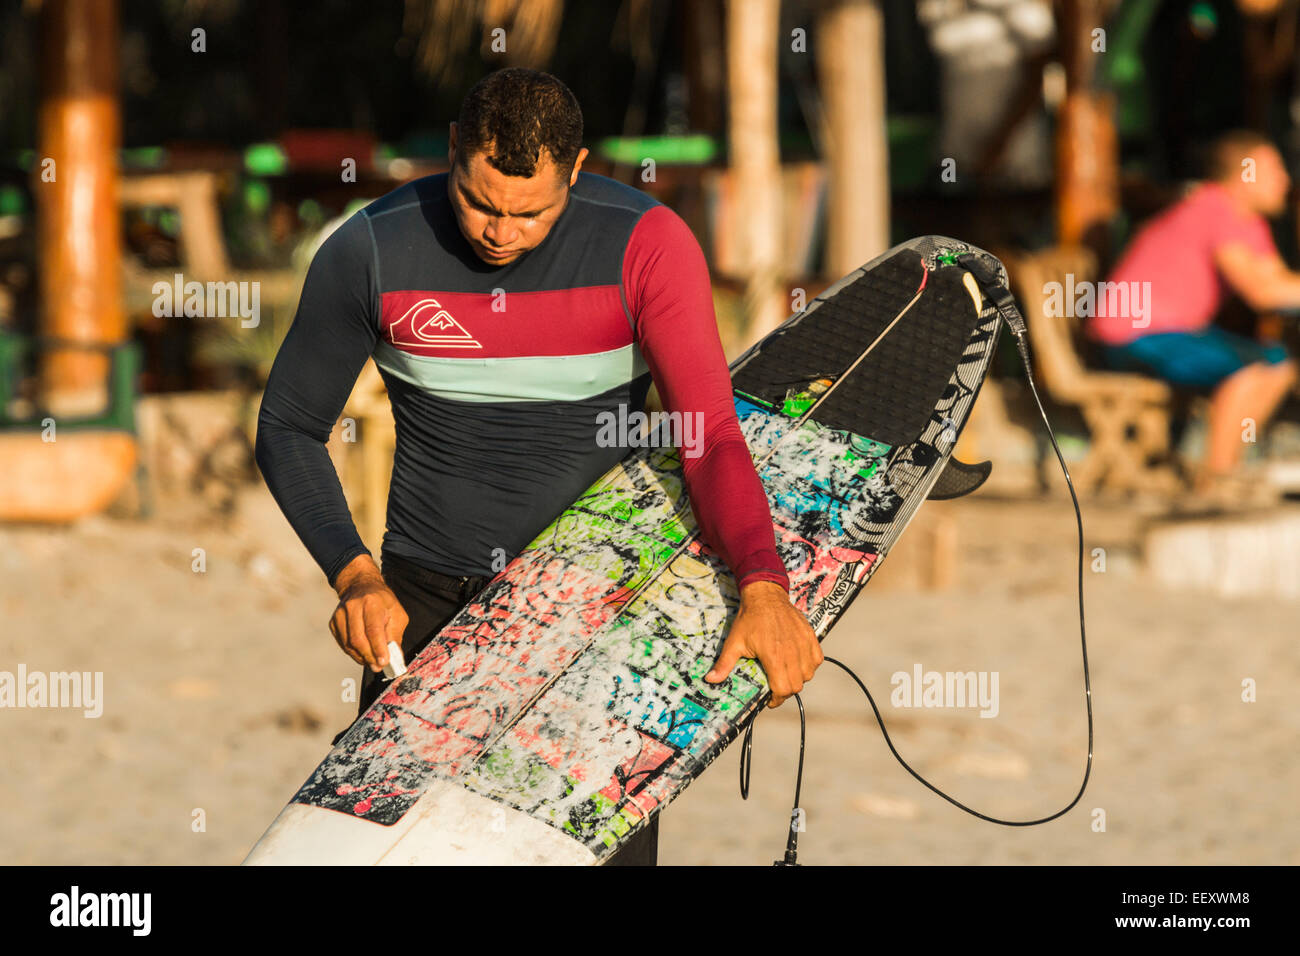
x=102 y=909
x=428 y=325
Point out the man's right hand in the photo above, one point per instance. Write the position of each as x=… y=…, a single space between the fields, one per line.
x=368 y=615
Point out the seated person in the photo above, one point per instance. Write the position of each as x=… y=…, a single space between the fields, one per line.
x=1214 y=240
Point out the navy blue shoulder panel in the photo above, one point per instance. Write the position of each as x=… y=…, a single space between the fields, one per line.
x=602 y=190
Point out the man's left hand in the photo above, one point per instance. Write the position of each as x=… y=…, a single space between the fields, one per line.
x=768 y=627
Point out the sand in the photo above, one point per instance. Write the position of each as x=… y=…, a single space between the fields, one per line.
x=222 y=690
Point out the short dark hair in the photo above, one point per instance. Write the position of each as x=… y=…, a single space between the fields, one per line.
x=1229 y=149
x=514 y=114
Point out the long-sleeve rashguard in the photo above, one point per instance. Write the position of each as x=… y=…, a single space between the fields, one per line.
x=500 y=378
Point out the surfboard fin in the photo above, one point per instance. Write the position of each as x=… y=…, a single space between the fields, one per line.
x=959 y=479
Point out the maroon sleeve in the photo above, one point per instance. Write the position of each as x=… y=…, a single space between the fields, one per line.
x=669 y=298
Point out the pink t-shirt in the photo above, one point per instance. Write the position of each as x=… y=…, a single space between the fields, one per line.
x=1174 y=253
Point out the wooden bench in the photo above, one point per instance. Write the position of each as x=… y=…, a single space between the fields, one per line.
x=195 y=195
x=1127 y=415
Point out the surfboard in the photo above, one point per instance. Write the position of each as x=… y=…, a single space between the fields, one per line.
x=565 y=705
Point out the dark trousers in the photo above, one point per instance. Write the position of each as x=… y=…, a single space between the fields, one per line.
x=431 y=600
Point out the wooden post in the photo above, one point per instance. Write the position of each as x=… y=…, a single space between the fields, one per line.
x=851 y=62
x=75 y=183
x=705 y=62
x=754 y=158
x=79 y=245
x=1087 y=148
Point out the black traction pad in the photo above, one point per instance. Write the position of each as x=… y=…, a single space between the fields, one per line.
x=830 y=338
x=893 y=392
x=959 y=479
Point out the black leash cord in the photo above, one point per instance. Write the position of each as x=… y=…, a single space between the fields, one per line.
x=1083 y=641
x=1018 y=329
x=747 y=764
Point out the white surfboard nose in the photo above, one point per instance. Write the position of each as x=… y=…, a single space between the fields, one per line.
x=309 y=836
x=448 y=826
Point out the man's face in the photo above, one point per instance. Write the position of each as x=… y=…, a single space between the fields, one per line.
x=1269 y=190
x=501 y=216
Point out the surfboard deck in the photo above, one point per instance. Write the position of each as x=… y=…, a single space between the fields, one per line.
x=565 y=705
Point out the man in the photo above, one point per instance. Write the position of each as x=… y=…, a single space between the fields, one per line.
x=509 y=304
x=1215 y=239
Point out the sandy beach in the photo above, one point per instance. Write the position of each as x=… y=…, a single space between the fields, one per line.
x=222 y=690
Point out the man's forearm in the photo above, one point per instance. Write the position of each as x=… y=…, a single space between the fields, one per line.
x=733 y=513
x=668 y=287
x=360 y=570
x=332 y=336
x=1280 y=292
x=1263 y=282
x=302 y=479
x=757 y=590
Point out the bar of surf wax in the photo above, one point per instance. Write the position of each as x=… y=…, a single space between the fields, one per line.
x=396 y=665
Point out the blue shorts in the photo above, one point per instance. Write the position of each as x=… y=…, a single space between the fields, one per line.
x=1195 y=359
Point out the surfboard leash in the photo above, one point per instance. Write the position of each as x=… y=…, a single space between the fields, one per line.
x=1003 y=301
x=746 y=765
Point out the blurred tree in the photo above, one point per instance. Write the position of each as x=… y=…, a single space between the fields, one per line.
x=753 y=156
x=1087 y=147
x=444 y=30
x=851 y=63
x=75 y=185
